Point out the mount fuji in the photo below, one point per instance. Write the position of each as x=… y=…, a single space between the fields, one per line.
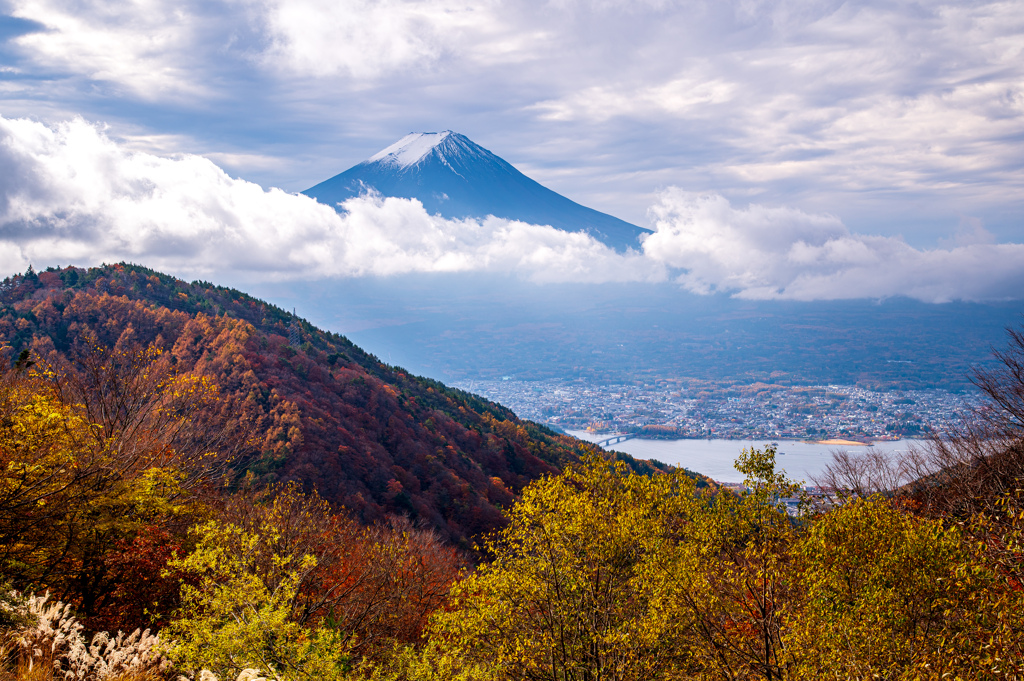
x=453 y=176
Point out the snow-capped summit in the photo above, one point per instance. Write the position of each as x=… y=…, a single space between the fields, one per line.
x=410 y=149
x=457 y=178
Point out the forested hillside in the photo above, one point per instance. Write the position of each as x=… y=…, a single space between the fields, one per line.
x=319 y=410
x=158 y=473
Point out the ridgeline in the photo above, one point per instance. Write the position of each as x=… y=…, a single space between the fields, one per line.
x=365 y=435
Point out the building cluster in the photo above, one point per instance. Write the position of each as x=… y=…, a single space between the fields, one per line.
x=699 y=409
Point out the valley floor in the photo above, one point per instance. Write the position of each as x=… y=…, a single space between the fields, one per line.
x=688 y=408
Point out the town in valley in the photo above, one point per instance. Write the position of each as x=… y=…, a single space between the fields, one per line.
x=677 y=409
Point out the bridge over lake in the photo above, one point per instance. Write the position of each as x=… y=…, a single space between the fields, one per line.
x=615 y=439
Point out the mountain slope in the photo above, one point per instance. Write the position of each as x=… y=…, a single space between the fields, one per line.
x=366 y=435
x=457 y=178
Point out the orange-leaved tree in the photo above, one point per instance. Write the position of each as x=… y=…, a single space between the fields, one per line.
x=97 y=451
x=279 y=582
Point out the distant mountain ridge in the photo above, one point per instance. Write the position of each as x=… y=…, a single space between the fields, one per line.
x=453 y=176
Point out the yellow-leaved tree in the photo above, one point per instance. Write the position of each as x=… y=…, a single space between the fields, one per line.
x=92 y=454
x=241 y=601
x=736 y=577
x=581 y=585
x=892 y=595
x=42 y=474
x=605 y=574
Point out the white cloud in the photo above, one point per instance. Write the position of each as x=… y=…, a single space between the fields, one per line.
x=70 y=194
x=685 y=94
x=848 y=97
x=899 y=114
x=144 y=46
x=158 y=49
x=783 y=253
x=365 y=38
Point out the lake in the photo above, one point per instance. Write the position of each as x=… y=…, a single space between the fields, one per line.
x=714 y=458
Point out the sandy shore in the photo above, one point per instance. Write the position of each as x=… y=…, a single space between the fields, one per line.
x=842 y=443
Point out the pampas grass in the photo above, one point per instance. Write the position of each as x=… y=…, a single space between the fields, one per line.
x=51 y=647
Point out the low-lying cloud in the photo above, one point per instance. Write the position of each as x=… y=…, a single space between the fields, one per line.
x=760 y=252
x=69 y=194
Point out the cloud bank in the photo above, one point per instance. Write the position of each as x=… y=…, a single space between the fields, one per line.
x=899 y=115
x=70 y=194
x=763 y=252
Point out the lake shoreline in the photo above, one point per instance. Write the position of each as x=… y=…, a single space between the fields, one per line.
x=595 y=436
x=800 y=459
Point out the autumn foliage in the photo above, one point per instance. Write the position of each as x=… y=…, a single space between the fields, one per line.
x=603 y=574
x=320 y=411
x=195 y=485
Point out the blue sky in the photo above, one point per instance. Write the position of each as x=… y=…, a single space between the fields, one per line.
x=894 y=121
